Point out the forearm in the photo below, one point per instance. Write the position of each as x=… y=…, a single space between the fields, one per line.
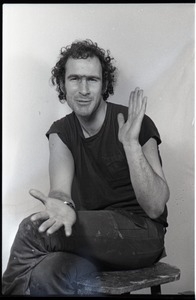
x=60 y=196
x=151 y=190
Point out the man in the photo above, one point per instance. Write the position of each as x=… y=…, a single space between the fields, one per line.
x=106 y=208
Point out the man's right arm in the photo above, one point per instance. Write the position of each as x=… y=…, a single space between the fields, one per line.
x=61 y=171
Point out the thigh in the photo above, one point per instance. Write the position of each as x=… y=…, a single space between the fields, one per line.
x=108 y=238
x=117 y=241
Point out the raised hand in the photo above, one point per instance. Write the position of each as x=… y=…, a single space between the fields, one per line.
x=56 y=215
x=129 y=130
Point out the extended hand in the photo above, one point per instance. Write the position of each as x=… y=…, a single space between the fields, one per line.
x=56 y=215
x=129 y=131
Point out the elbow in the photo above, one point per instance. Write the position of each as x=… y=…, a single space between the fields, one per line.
x=156 y=213
x=157 y=210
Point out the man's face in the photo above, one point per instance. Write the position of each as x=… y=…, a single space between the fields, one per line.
x=83 y=85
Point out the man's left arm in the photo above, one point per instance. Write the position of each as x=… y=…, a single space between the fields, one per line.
x=145 y=169
x=147 y=177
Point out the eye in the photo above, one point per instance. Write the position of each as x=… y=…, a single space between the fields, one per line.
x=74 y=78
x=93 y=79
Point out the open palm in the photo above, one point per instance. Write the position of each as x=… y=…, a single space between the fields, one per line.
x=129 y=130
x=56 y=215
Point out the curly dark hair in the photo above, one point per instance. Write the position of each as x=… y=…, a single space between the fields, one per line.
x=82 y=50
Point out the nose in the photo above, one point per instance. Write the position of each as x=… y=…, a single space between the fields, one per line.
x=84 y=87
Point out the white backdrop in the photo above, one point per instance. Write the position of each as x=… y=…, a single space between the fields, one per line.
x=153 y=46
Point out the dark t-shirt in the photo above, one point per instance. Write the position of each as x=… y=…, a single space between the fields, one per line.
x=102 y=179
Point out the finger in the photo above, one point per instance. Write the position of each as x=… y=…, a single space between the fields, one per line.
x=47 y=224
x=131 y=103
x=140 y=95
x=68 y=230
x=121 y=120
x=143 y=108
x=40 y=215
x=144 y=103
x=139 y=101
x=38 y=195
x=54 y=227
x=135 y=99
x=136 y=93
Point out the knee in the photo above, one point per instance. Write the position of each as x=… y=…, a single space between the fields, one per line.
x=53 y=275
x=58 y=273
x=27 y=226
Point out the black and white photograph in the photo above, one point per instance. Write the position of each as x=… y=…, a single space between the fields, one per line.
x=98 y=150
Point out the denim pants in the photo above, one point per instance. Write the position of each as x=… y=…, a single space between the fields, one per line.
x=41 y=264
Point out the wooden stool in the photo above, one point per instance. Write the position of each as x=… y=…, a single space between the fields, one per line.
x=125 y=282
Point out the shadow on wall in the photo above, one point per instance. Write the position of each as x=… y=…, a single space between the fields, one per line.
x=171 y=106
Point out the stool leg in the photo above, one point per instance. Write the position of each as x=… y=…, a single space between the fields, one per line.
x=156 y=290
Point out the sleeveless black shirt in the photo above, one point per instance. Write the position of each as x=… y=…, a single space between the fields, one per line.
x=102 y=179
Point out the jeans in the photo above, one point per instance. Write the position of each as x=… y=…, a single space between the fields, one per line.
x=42 y=264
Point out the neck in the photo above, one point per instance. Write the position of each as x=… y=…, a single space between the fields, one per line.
x=91 y=125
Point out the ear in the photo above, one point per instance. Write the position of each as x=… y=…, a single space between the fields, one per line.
x=62 y=86
x=63 y=101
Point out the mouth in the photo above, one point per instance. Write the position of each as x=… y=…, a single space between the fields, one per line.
x=83 y=101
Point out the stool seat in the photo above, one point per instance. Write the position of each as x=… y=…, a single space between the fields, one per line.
x=123 y=282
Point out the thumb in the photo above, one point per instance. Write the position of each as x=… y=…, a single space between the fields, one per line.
x=121 y=120
x=38 y=195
